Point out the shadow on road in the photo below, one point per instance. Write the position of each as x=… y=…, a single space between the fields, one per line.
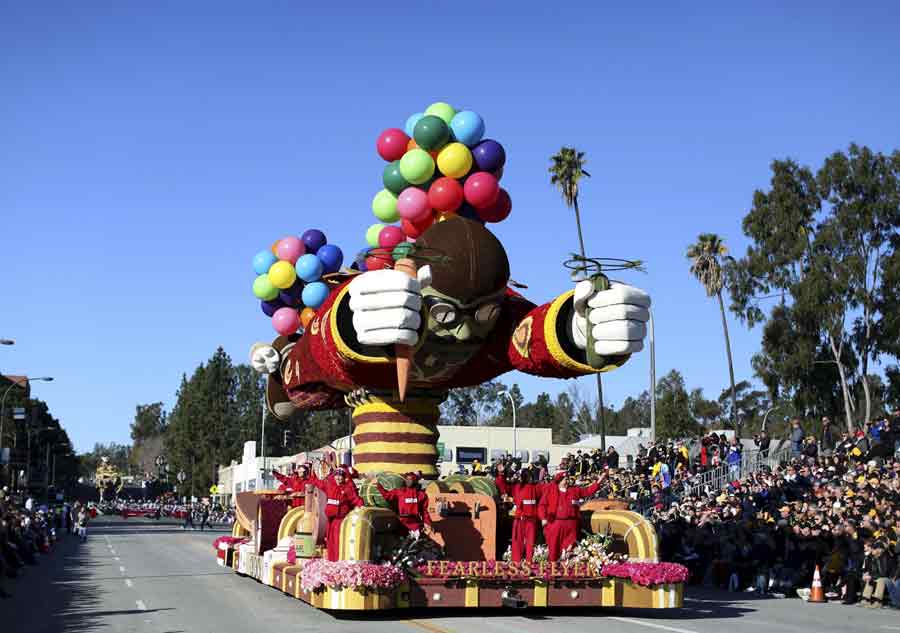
x=54 y=596
x=705 y=605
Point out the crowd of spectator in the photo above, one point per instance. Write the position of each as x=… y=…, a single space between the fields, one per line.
x=832 y=503
x=29 y=531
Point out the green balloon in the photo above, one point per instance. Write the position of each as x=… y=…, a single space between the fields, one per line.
x=392 y=178
x=431 y=132
x=416 y=166
x=443 y=110
x=401 y=250
x=384 y=206
x=425 y=186
x=372 y=235
x=264 y=289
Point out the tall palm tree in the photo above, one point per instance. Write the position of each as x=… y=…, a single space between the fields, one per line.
x=708 y=257
x=566 y=170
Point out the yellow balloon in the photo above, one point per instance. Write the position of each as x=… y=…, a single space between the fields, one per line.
x=455 y=160
x=282 y=274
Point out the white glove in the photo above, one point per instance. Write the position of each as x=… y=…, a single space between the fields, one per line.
x=264 y=358
x=385 y=306
x=618 y=318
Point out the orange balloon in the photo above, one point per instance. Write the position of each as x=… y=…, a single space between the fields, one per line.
x=413 y=145
x=306 y=317
x=275 y=248
x=441 y=217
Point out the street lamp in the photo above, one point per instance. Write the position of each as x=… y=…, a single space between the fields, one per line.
x=20 y=381
x=512 y=404
x=7 y=341
x=652 y=379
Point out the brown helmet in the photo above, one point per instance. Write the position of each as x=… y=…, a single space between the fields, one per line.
x=475 y=263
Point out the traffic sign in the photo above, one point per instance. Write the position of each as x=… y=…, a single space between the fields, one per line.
x=19 y=413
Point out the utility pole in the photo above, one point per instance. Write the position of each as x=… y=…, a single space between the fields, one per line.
x=262 y=442
x=652 y=381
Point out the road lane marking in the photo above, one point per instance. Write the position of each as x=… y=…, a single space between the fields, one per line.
x=140 y=605
x=121 y=569
x=116 y=558
x=652 y=625
x=128 y=582
x=425 y=626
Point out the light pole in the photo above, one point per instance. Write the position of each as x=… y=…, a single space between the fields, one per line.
x=262 y=443
x=20 y=381
x=7 y=341
x=652 y=380
x=512 y=404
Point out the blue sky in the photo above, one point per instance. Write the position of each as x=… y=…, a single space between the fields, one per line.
x=148 y=150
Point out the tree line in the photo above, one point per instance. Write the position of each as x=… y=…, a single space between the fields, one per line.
x=822 y=277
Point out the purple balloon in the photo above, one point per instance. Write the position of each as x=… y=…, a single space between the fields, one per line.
x=313 y=240
x=291 y=296
x=270 y=307
x=489 y=155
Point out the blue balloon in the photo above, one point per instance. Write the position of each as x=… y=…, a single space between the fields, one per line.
x=263 y=261
x=269 y=307
x=291 y=296
x=313 y=240
x=309 y=268
x=314 y=294
x=332 y=257
x=467 y=127
x=411 y=123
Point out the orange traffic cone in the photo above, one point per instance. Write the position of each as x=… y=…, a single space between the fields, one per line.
x=817 y=594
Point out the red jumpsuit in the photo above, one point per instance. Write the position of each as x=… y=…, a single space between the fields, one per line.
x=411 y=505
x=561 y=511
x=526 y=497
x=341 y=499
x=296 y=484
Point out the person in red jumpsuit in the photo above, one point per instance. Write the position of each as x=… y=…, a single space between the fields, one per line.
x=410 y=503
x=296 y=483
x=559 y=513
x=342 y=497
x=526 y=495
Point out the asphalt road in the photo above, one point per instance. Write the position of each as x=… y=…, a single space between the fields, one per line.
x=146 y=577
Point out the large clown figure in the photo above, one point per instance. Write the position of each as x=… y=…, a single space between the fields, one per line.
x=464 y=325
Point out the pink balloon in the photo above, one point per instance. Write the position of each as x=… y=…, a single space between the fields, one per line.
x=390 y=236
x=413 y=204
x=481 y=189
x=285 y=321
x=289 y=249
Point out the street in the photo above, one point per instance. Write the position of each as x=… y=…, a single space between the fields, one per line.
x=144 y=576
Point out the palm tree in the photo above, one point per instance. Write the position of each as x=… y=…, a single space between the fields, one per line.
x=707 y=258
x=566 y=171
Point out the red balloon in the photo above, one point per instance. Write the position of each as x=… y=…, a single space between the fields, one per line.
x=379 y=261
x=417 y=227
x=391 y=144
x=481 y=189
x=498 y=211
x=445 y=194
x=390 y=236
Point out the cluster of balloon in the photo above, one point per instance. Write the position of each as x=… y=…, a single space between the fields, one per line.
x=289 y=278
x=439 y=165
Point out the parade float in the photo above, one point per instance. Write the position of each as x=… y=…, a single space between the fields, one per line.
x=108 y=480
x=425 y=307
